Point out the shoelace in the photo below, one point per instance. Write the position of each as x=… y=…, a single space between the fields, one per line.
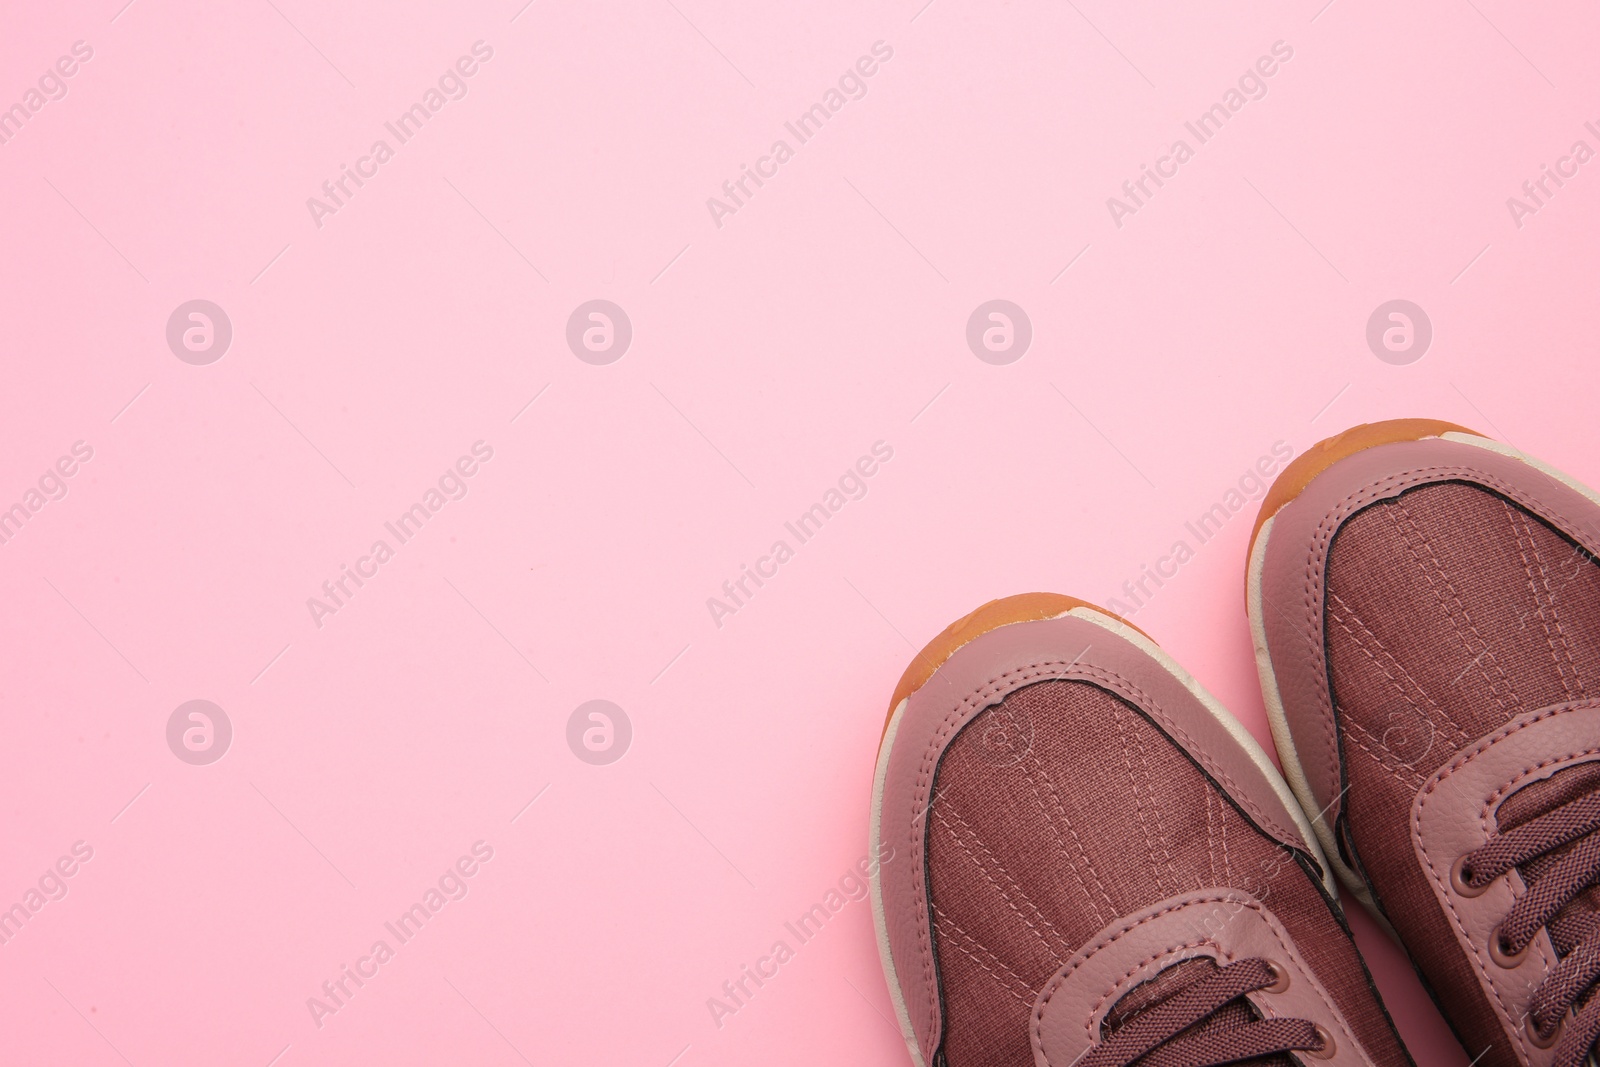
x=1165 y=1035
x=1573 y=979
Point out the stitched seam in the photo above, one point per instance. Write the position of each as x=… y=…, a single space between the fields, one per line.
x=1363 y=637
x=1413 y=783
x=1082 y=854
x=1527 y=771
x=1104 y=941
x=1139 y=795
x=1111 y=995
x=1011 y=879
x=1056 y=668
x=1560 y=650
x=1524 y=539
x=967 y=850
x=1211 y=842
x=1120 y=986
x=1115 y=991
x=1088 y=951
x=1465 y=756
x=1433 y=569
x=1015 y=678
x=1010 y=984
x=1322 y=537
x=980 y=697
x=1426 y=795
x=1227 y=866
x=1311 y=591
x=1192 y=747
x=1479 y=962
x=1155 y=808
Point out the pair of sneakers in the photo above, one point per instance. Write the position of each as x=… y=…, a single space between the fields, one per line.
x=1085 y=860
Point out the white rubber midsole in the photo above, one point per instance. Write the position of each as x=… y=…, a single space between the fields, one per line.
x=1278 y=722
x=874 y=838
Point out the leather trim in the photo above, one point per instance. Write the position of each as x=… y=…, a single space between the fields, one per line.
x=1224 y=925
x=1294 y=570
x=1454 y=813
x=982 y=673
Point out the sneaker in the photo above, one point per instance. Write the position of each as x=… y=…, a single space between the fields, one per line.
x=1084 y=860
x=1425 y=606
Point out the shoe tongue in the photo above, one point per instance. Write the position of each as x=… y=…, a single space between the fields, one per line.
x=1581 y=915
x=1169 y=983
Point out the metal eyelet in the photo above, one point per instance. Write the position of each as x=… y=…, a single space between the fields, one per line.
x=1543 y=1042
x=1458 y=880
x=1326 y=1049
x=1280 y=977
x=1501 y=955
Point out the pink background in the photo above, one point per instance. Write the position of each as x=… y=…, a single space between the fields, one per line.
x=768 y=354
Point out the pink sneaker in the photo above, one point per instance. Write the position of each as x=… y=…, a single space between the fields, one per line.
x=1086 y=861
x=1426 y=611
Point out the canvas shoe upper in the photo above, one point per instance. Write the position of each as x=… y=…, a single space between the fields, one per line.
x=1426 y=611
x=1085 y=860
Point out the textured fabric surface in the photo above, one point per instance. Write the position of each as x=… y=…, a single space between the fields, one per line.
x=1450 y=611
x=1063 y=808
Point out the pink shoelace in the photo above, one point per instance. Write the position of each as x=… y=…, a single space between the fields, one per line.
x=1172 y=1034
x=1570 y=983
